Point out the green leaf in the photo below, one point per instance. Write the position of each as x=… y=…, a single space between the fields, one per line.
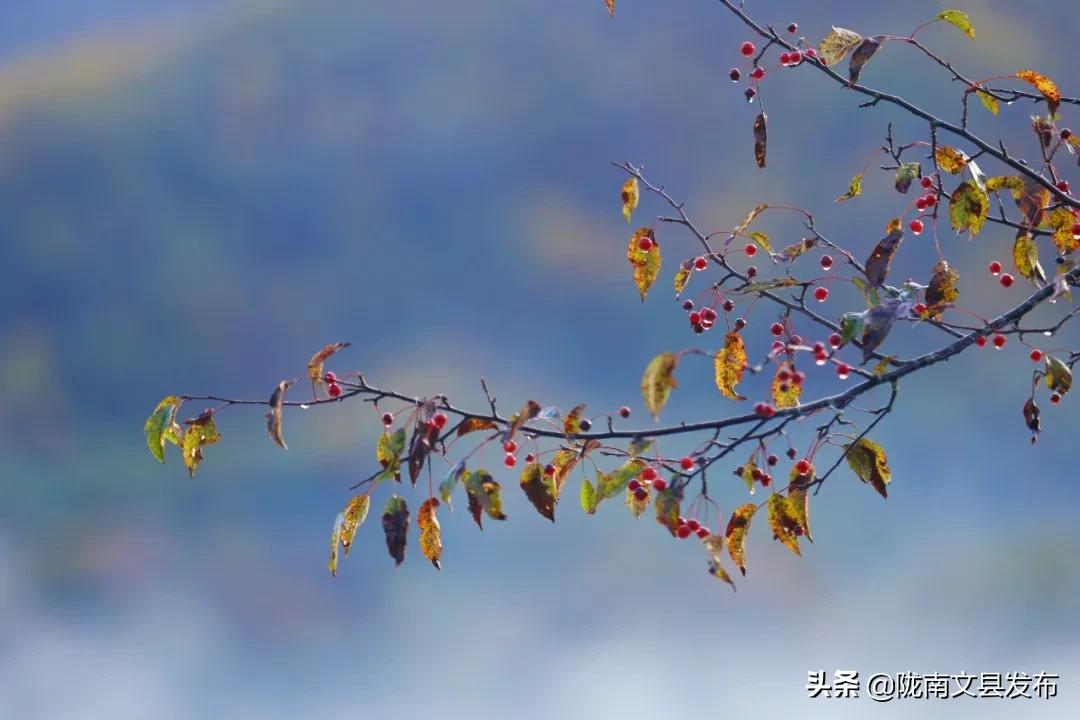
x=485 y=496
x=959 y=18
x=968 y=208
x=854 y=189
x=540 y=489
x=729 y=365
x=870 y=294
x=395 y=523
x=735 y=534
x=161 y=426
x=1026 y=259
x=667 y=508
x=388 y=451
x=646 y=264
x=868 y=460
x=610 y=485
x=988 y=101
x=783 y=522
x=200 y=432
x=748 y=469
x=588 y=497
x=657 y=382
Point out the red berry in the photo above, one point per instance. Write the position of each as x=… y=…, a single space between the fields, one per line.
x=641 y=494
x=740 y=323
x=766 y=480
x=1066 y=133
x=686 y=463
x=648 y=474
x=1055 y=398
x=750 y=94
x=747 y=48
x=1063 y=186
x=826 y=262
x=530 y=458
x=509 y=460
x=927 y=182
x=645 y=244
x=772 y=460
x=510 y=446
x=819 y=347
x=785 y=58
x=999 y=341
x=793 y=28
x=330 y=378
x=778 y=347
x=981 y=341
x=728 y=306
x=681 y=521
x=549 y=469
x=776 y=329
x=695 y=318
x=835 y=340
x=930 y=200
x=1036 y=355
x=624 y=411
x=439 y=420
x=700 y=263
x=1006 y=280
x=708 y=315
x=734 y=74
x=703 y=532
x=821 y=293
x=783 y=376
x=683 y=532
x=811 y=52
x=633 y=485
x=660 y=484
x=693 y=524
x=920 y=309
x=750 y=249
x=995 y=267
x=1076 y=231
x=843 y=370
x=799 y=378
x=757 y=73
x=387 y=419
x=916 y=226
x=796 y=57
x=688 y=305
x=334 y=389
x=766 y=410
x=751 y=271
x=920 y=204
x=802 y=467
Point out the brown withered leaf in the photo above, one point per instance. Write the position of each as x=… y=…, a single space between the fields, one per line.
x=630 y=195
x=610 y=7
x=862 y=55
x=941 y=291
x=761 y=139
x=877 y=265
x=425 y=434
x=735 y=534
x=475 y=424
x=540 y=489
x=1044 y=130
x=530 y=410
x=783 y=522
x=315 y=364
x=430 y=532
x=1031 y=419
x=273 y=418
x=729 y=365
x=395 y=523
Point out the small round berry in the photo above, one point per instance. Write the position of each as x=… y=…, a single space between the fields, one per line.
x=821 y=294
x=387 y=419
x=1055 y=398
x=791 y=453
x=633 y=485
x=1036 y=356
x=750 y=94
x=549 y=469
x=700 y=263
x=439 y=420
x=766 y=410
x=778 y=347
x=708 y=315
x=1006 y=280
x=334 y=389
x=776 y=329
x=680 y=522
x=785 y=58
x=920 y=204
x=796 y=57
x=641 y=494
x=699 y=328
x=695 y=318
x=649 y=474
x=740 y=323
x=802 y=467
x=930 y=200
x=757 y=73
x=693 y=524
x=798 y=378
x=728 y=306
x=1066 y=133
x=1076 y=231
x=703 y=532
x=624 y=412
x=843 y=370
x=509 y=460
x=660 y=484
x=783 y=376
x=734 y=74
x=927 y=182
x=686 y=463
x=688 y=305
x=793 y=28
x=766 y=480
x=747 y=48
x=530 y=458
x=683 y=532
x=981 y=341
x=330 y=378
x=826 y=262
x=916 y=226
x=1063 y=186
x=510 y=446
x=999 y=341
x=835 y=340
x=810 y=53
x=751 y=271
x=819 y=347
x=645 y=244
x=995 y=267
x=585 y=425
x=772 y=460
x=750 y=249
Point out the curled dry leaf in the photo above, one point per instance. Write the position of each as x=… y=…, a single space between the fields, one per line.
x=862 y=55
x=395 y=523
x=630 y=195
x=877 y=265
x=201 y=431
x=837 y=44
x=315 y=365
x=761 y=139
x=942 y=291
x=657 y=382
x=540 y=489
x=529 y=411
x=430 y=532
x=1031 y=419
x=273 y=418
x=735 y=534
x=646 y=264
x=729 y=365
x=714 y=546
x=424 y=437
x=162 y=426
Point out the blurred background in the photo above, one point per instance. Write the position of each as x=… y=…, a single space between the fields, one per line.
x=196 y=195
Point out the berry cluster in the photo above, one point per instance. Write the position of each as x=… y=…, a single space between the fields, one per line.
x=648 y=477
x=690 y=526
x=332 y=387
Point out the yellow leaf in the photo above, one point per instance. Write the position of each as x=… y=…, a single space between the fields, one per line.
x=870 y=463
x=968 y=207
x=750 y=217
x=735 y=534
x=572 y=421
x=783 y=522
x=638 y=507
x=1044 y=85
x=714 y=545
x=1026 y=259
x=683 y=276
x=989 y=101
x=540 y=489
x=798 y=499
x=837 y=44
x=941 y=291
x=630 y=196
x=854 y=189
x=1058 y=375
x=762 y=241
x=474 y=424
x=785 y=391
x=950 y=159
x=657 y=382
x=430 y=532
x=315 y=365
x=1061 y=222
x=352 y=517
x=730 y=364
x=960 y=19
x=200 y=432
x=646 y=263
